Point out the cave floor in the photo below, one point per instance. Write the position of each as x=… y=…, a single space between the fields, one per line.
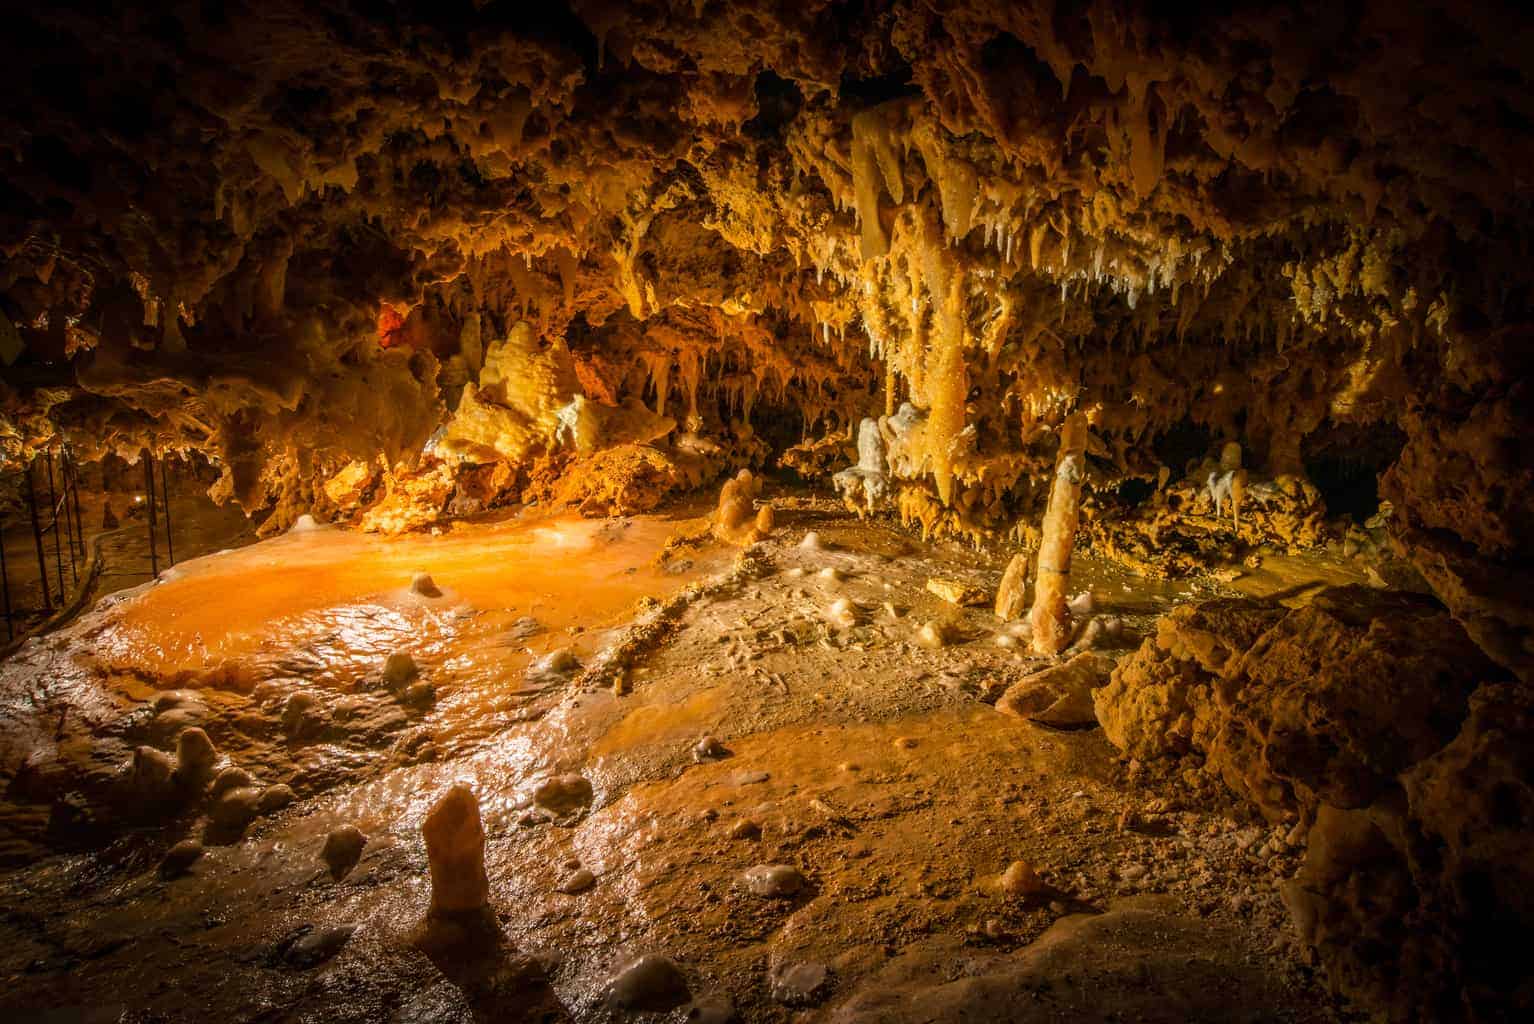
x=874 y=766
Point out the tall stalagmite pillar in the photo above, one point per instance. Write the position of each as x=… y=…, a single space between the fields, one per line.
x=455 y=850
x=1050 y=618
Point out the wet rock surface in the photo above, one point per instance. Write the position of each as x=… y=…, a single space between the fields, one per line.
x=853 y=761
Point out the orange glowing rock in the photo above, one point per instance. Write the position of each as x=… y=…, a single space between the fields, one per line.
x=391 y=324
x=1020 y=881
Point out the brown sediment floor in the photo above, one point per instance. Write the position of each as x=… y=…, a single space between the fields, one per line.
x=873 y=766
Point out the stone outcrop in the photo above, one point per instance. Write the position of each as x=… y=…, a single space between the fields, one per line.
x=1374 y=719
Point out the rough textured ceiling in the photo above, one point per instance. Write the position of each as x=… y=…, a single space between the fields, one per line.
x=262 y=230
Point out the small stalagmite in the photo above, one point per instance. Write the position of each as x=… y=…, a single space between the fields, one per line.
x=734 y=513
x=736 y=519
x=455 y=849
x=1011 y=592
x=1050 y=617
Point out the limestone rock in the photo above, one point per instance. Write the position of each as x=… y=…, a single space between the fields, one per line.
x=711 y=1009
x=1140 y=960
x=179 y=858
x=1159 y=701
x=275 y=798
x=313 y=946
x=652 y=983
x=419 y=695
x=525 y=627
x=1060 y=696
x=842 y=613
x=300 y=716
x=342 y=850
x=1343 y=694
x=232 y=812
x=564 y=795
x=1377 y=715
x=773 y=881
x=864 y=487
x=577 y=881
x=233 y=777
x=151 y=775
x=1412 y=902
x=411 y=500
x=305 y=523
x=709 y=749
x=553 y=666
x=1020 y=881
x=1488 y=598
x=455 y=850
x=958 y=592
x=346 y=489
x=934 y=636
x=799 y=984
x=399 y=670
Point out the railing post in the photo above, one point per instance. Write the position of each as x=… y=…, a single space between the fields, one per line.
x=74 y=487
x=154 y=558
x=5 y=585
x=53 y=523
x=37 y=538
x=170 y=550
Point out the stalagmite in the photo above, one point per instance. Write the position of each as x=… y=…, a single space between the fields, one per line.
x=455 y=850
x=734 y=517
x=1050 y=617
x=1228 y=481
x=864 y=486
x=1011 y=592
x=1230 y=462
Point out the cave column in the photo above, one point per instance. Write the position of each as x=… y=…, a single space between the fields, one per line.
x=1050 y=617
